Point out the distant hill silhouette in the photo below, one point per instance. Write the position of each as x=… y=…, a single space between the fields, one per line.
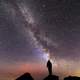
x=51 y=77
x=25 y=76
x=72 y=78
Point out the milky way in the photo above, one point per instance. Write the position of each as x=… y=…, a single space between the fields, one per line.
x=32 y=29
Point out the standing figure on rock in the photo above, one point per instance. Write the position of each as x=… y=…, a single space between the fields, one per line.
x=49 y=66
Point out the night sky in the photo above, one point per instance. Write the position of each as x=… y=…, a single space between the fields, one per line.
x=31 y=31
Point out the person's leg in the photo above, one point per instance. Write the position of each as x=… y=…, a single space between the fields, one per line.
x=51 y=71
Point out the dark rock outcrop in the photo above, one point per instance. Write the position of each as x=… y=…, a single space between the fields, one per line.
x=51 y=77
x=26 y=76
x=72 y=78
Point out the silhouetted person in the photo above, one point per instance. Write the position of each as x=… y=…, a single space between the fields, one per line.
x=26 y=76
x=49 y=66
x=50 y=76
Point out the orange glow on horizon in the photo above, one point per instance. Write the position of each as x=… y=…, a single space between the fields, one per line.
x=76 y=73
